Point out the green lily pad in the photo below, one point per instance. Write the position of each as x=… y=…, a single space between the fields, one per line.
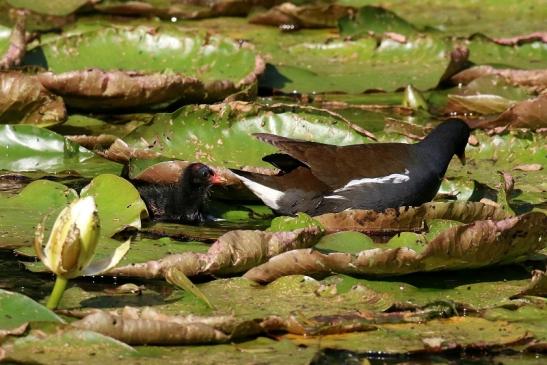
x=320 y=65
x=159 y=65
x=55 y=7
x=347 y=241
x=118 y=202
x=17 y=309
x=20 y=214
x=433 y=336
x=302 y=220
x=72 y=345
x=527 y=56
x=221 y=134
x=29 y=148
x=142 y=250
x=374 y=19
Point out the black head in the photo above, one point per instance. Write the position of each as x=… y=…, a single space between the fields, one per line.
x=451 y=136
x=198 y=174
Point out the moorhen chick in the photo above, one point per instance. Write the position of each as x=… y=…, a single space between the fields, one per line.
x=318 y=178
x=185 y=201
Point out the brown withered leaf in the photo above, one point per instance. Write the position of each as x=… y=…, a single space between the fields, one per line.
x=521 y=39
x=150 y=332
x=529 y=167
x=23 y=99
x=17 y=331
x=119 y=151
x=105 y=90
x=406 y=218
x=481 y=104
x=482 y=243
x=288 y=16
x=525 y=114
x=459 y=60
x=533 y=79
x=234 y=252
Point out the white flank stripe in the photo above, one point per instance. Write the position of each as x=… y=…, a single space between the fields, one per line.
x=390 y=179
x=269 y=196
x=337 y=197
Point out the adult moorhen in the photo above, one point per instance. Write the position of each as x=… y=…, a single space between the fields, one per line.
x=184 y=201
x=318 y=178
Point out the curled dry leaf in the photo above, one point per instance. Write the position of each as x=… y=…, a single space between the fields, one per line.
x=533 y=79
x=459 y=60
x=150 y=332
x=529 y=167
x=481 y=104
x=234 y=252
x=121 y=152
x=23 y=99
x=17 y=331
x=149 y=326
x=482 y=243
x=18 y=43
x=406 y=218
x=288 y=16
x=104 y=90
x=521 y=39
x=525 y=114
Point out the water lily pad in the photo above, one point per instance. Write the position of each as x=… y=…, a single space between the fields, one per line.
x=52 y=343
x=221 y=134
x=29 y=148
x=20 y=214
x=118 y=203
x=376 y=20
x=434 y=336
x=16 y=309
x=55 y=7
x=159 y=65
x=526 y=56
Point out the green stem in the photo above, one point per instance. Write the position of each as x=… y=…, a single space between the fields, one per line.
x=57 y=292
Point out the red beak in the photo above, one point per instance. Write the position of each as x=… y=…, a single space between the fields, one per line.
x=216 y=179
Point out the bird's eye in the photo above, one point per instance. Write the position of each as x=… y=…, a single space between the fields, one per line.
x=203 y=173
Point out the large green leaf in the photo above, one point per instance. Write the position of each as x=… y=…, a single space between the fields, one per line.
x=29 y=148
x=55 y=7
x=221 y=134
x=376 y=20
x=118 y=203
x=159 y=65
x=17 y=309
x=319 y=64
x=20 y=214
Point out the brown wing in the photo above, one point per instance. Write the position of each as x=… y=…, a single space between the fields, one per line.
x=336 y=165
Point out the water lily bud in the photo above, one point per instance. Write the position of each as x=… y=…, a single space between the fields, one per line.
x=73 y=239
x=413 y=98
